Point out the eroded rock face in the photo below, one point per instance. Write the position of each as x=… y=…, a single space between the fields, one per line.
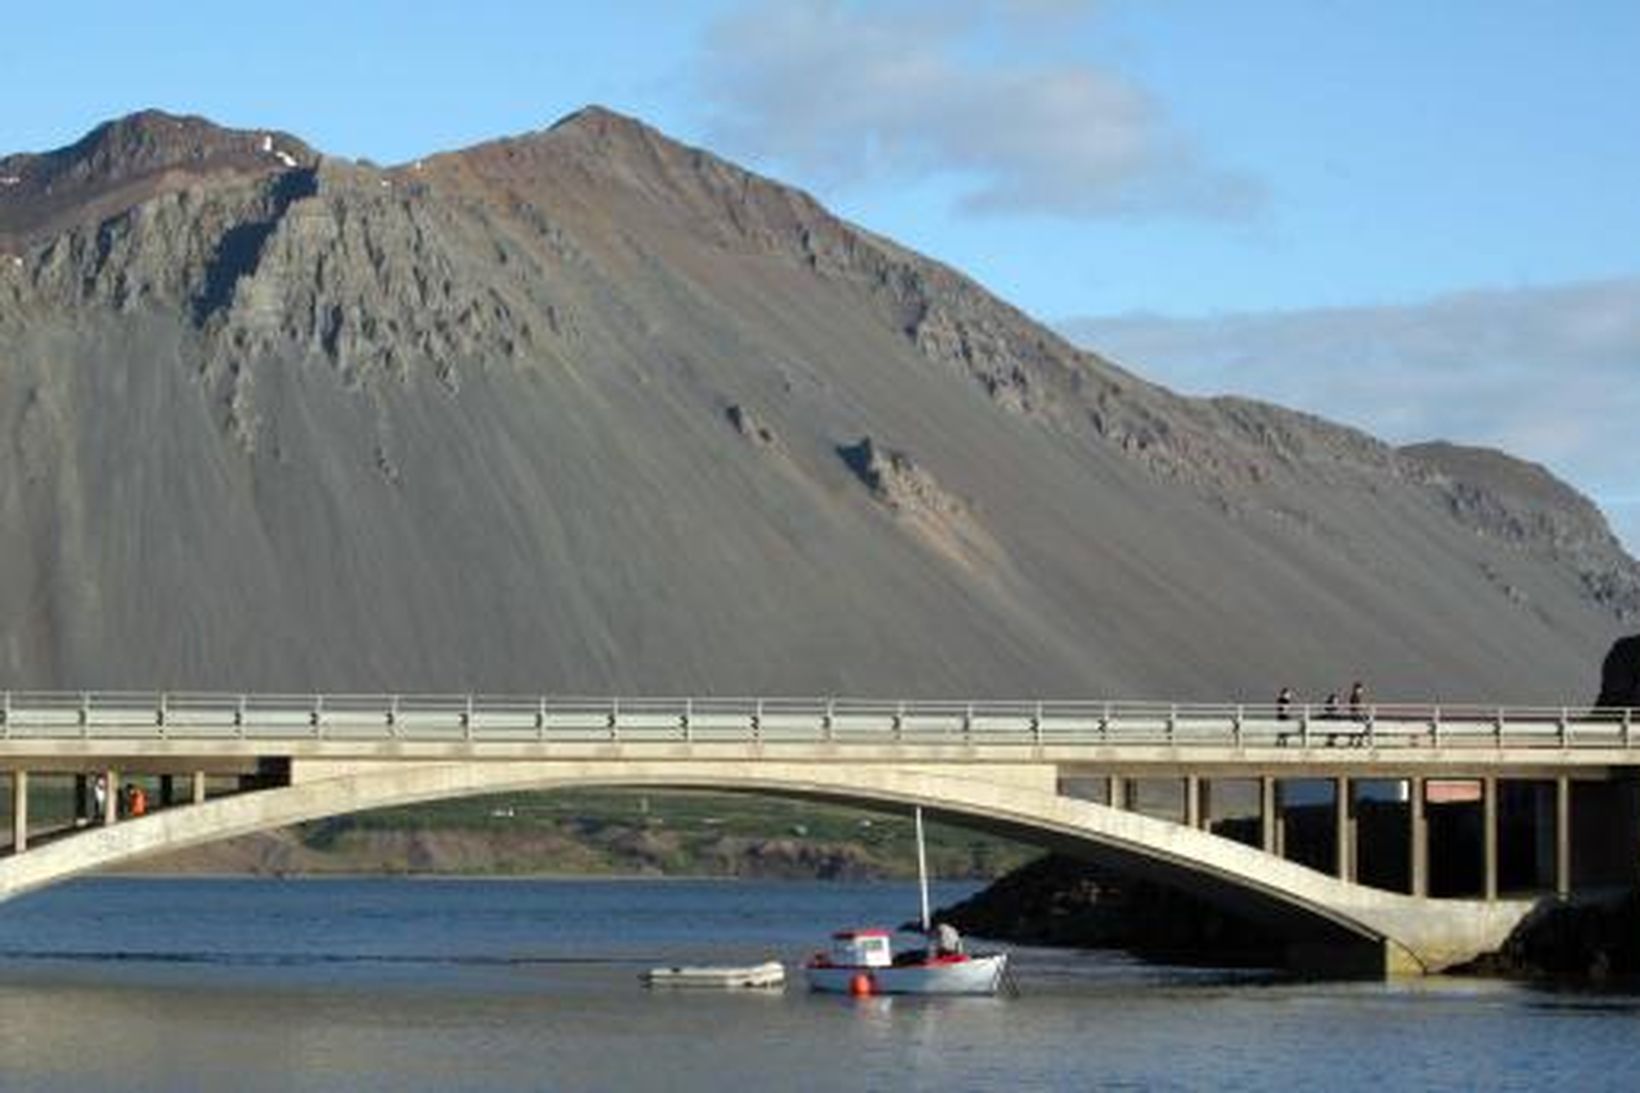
x=1521 y=504
x=1620 y=674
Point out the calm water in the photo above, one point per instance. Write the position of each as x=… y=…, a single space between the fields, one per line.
x=400 y=984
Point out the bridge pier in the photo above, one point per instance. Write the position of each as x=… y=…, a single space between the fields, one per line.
x=1268 y=819
x=1418 y=833
x=1344 y=829
x=1563 y=836
x=1602 y=824
x=19 y=811
x=1489 y=837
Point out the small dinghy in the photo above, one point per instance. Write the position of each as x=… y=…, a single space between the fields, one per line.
x=768 y=974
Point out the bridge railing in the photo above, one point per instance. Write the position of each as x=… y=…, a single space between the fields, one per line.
x=194 y=716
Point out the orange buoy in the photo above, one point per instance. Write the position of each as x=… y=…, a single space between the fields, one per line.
x=861 y=986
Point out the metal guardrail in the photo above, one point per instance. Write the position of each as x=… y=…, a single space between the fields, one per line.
x=493 y=719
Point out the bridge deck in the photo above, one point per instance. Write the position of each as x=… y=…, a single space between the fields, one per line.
x=1421 y=735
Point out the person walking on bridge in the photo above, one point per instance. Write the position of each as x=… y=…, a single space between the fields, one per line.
x=1358 y=701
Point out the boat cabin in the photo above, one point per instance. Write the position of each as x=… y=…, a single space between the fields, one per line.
x=861 y=949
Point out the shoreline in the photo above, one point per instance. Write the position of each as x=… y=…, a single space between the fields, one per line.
x=510 y=878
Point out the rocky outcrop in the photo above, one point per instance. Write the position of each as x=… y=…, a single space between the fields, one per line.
x=1596 y=943
x=896 y=480
x=1620 y=675
x=747 y=424
x=1524 y=506
x=1062 y=902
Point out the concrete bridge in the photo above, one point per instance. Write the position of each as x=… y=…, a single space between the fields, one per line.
x=1316 y=822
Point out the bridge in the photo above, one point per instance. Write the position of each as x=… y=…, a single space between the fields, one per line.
x=1403 y=838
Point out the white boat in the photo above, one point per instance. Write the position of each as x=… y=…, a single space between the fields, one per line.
x=768 y=974
x=863 y=962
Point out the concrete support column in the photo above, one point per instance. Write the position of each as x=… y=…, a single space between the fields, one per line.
x=199 y=787
x=1116 y=791
x=1344 y=829
x=82 y=800
x=1269 y=822
x=1418 y=833
x=1563 y=836
x=1192 y=801
x=111 y=799
x=19 y=811
x=1489 y=836
x=167 y=790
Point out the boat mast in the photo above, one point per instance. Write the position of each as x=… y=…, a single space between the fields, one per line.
x=922 y=870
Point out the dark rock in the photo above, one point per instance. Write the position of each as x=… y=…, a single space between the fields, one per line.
x=1620 y=674
x=1593 y=943
x=1059 y=901
x=750 y=426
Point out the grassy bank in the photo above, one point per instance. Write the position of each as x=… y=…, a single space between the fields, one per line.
x=613 y=833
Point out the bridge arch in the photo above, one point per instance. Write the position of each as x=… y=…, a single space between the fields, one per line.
x=1331 y=921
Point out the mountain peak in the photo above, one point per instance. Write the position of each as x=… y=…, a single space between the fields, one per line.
x=591 y=134
x=600 y=119
x=128 y=159
x=154 y=140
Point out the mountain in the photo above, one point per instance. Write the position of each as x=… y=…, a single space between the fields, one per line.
x=588 y=410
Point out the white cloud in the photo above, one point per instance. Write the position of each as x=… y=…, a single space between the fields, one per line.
x=1549 y=374
x=850 y=93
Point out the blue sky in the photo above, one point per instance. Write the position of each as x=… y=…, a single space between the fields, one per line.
x=1225 y=196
